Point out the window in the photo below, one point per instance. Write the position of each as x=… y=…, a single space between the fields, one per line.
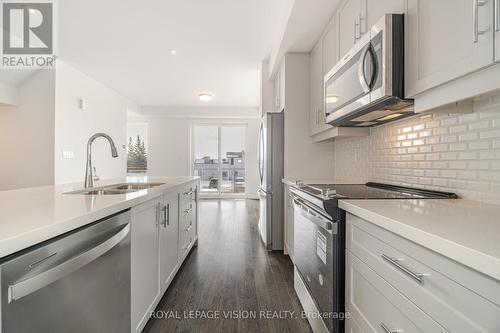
x=219 y=157
x=137 y=148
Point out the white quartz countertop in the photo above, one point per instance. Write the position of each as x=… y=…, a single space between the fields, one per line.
x=465 y=231
x=33 y=215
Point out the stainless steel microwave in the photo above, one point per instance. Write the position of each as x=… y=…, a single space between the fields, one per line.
x=366 y=87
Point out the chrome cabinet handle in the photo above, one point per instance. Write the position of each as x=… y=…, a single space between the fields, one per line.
x=475 y=20
x=388 y=330
x=189 y=210
x=497 y=15
x=190 y=192
x=396 y=263
x=165 y=210
x=356 y=24
x=361 y=18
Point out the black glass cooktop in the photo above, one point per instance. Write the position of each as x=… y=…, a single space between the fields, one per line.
x=371 y=191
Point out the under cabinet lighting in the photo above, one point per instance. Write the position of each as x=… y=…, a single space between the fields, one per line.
x=331 y=99
x=390 y=116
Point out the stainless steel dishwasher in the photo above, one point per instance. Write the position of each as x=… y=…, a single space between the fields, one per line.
x=77 y=282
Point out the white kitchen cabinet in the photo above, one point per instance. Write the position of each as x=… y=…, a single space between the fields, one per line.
x=373 y=10
x=289 y=222
x=329 y=42
x=348 y=23
x=146 y=290
x=356 y=17
x=497 y=30
x=375 y=306
x=187 y=220
x=316 y=89
x=445 y=40
x=457 y=298
x=169 y=238
x=279 y=90
x=157 y=229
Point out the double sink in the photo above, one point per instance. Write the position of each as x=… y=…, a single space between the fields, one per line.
x=122 y=188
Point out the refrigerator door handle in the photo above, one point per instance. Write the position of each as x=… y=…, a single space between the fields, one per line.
x=263 y=194
x=261 y=154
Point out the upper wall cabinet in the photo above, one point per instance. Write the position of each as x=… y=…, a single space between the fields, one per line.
x=373 y=10
x=349 y=17
x=446 y=39
x=356 y=17
x=279 y=90
x=329 y=49
x=497 y=30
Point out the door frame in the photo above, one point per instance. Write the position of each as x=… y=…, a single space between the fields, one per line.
x=219 y=124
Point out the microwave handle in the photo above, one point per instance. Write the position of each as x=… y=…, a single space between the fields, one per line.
x=365 y=84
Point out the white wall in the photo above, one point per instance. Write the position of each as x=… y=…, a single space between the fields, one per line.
x=8 y=94
x=170 y=138
x=106 y=112
x=27 y=134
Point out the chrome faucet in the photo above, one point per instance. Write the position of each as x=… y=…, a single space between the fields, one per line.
x=89 y=171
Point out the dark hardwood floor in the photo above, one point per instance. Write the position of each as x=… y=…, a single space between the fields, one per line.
x=230 y=272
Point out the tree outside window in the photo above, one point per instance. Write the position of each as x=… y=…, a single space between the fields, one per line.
x=137 y=155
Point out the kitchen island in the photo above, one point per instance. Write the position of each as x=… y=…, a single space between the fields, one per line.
x=136 y=231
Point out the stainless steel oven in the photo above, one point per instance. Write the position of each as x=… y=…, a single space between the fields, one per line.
x=318 y=260
x=366 y=87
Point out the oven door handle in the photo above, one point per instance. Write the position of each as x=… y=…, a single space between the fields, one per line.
x=312 y=215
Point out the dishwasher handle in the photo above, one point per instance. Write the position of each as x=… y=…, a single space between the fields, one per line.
x=23 y=288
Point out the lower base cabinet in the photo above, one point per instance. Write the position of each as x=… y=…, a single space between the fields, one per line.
x=144 y=265
x=163 y=231
x=395 y=285
x=169 y=240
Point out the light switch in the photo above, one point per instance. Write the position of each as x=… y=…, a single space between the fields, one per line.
x=67 y=154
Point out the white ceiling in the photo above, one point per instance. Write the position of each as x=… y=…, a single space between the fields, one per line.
x=220 y=45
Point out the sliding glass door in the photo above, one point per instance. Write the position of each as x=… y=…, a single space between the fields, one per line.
x=219 y=158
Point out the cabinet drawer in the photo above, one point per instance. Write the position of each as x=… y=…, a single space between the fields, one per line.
x=458 y=298
x=187 y=197
x=374 y=304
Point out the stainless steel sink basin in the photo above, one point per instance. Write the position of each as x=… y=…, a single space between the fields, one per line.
x=134 y=186
x=113 y=189
x=101 y=192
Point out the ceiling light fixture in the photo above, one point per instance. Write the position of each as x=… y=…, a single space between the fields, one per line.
x=206 y=96
x=173 y=52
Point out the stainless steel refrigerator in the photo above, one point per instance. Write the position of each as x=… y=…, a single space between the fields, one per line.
x=271 y=153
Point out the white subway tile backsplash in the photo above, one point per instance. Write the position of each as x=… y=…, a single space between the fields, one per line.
x=479 y=125
x=457 y=153
x=490 y=134
x=468 y=136
x=477 y=145
x=467 y=155
x=458 y=129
